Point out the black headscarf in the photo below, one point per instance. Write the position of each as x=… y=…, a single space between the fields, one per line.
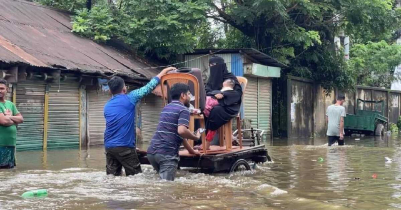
x=216 y=77
x=216 y=60
x=218 y=74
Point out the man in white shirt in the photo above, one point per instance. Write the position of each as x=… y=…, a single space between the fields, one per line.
x=335 y=121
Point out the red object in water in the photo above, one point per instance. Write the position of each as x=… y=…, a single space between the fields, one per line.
x=374 y=176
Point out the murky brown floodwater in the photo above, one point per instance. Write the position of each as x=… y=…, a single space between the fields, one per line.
x=296 y=180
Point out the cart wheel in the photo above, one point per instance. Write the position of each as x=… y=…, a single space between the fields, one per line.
x=380 y=130
x=240 y=165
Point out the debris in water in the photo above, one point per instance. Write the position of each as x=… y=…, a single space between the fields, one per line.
x=320 y=159
x=374 y=176
x=357 y=139
x=388 y=160
x=35 y=194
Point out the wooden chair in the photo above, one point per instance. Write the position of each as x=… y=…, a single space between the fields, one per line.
x=174 y=78
x=226 y=131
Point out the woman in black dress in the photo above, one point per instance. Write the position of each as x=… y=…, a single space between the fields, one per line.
x=229 y=101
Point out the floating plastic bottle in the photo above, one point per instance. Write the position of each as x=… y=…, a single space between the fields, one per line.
x=35 y=194
x=388 y=160
x=320 y=159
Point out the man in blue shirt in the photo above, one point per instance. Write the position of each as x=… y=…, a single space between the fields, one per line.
x=119 y=136
x=171 y=132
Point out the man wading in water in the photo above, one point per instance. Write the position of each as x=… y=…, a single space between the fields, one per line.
x=171 y=132
x=335 y=118
x=9 y=119
x=119 y=137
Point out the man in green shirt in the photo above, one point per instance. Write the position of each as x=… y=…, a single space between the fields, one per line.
x=9 y=119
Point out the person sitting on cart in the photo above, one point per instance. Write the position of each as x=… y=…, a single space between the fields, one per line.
x=229 y=101
x=171 y=132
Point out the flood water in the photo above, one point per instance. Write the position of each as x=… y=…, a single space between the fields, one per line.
x=355 y=176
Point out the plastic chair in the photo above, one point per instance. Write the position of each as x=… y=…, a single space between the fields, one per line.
x=226 y=131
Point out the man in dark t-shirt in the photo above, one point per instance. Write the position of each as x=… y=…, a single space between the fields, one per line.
x=171 y=132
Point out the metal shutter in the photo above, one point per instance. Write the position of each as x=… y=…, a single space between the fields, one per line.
x=151 y=107
x=264 y=105
x=250 y=101
x=30 y=103
x=96 y=122
x=9 y=95
x=63 y=124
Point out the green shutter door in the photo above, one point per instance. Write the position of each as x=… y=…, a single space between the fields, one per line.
x=30 y=103
x=96 y=122
x=264 y=105
x=151 y=106
x=63 y=121
x=250 y=101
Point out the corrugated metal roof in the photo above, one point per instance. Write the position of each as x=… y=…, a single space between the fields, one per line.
x=42 y=37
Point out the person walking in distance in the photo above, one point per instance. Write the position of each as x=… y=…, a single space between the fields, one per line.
x=335 y=121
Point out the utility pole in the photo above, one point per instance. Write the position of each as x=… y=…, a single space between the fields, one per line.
x=346 y=47
x=346 y=43
x=396 y=84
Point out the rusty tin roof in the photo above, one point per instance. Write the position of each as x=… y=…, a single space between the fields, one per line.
x=42 y=37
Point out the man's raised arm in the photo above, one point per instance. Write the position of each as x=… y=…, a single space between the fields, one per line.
x=138 y=94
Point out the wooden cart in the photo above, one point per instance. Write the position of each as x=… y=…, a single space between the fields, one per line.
x=222 y=158
x=219 y=160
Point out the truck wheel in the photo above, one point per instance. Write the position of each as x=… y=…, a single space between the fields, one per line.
x=380 y=130
x=240 y=165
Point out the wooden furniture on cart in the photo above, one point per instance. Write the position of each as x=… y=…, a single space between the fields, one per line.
x=226 y=131
x=174 y=78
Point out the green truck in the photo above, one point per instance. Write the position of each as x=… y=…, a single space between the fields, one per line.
x=369 y=119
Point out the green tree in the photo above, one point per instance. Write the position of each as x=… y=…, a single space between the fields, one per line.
x=168 y=29
x=373 y=64
x=161 y=29
x=301 y=33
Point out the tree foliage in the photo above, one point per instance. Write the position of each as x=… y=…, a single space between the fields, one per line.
x=68 y=5
x=299 y=33
x=159 y=28
x=373 y=64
